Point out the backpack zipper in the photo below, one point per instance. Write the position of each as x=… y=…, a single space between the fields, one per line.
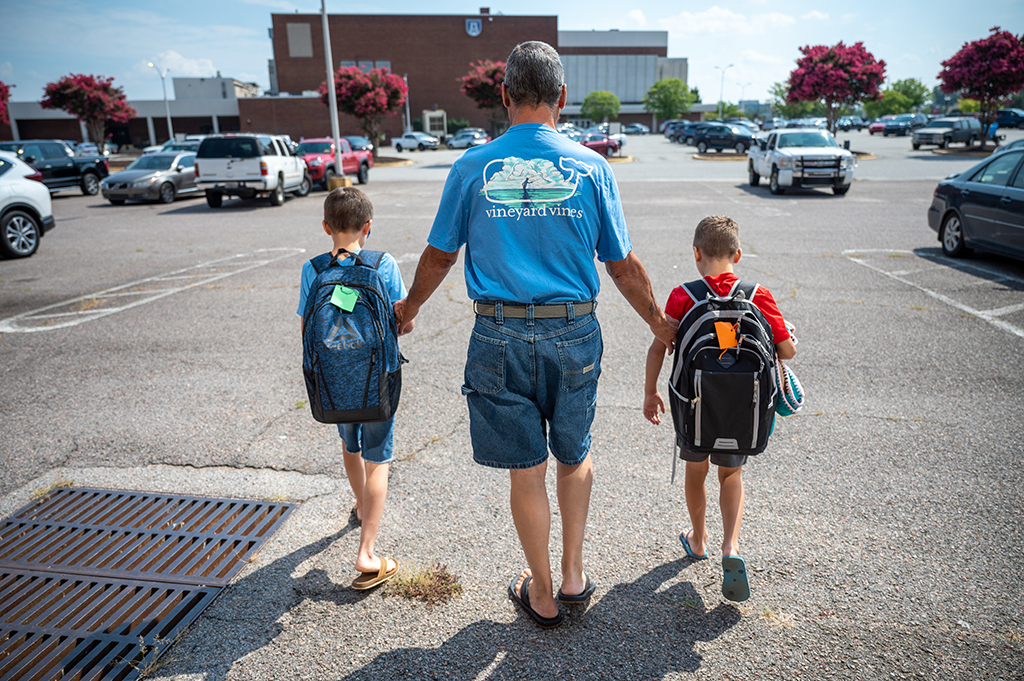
x=695 y=407
x=757 y=404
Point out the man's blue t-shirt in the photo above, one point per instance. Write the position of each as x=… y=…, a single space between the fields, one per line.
x=532 y=209
x=388 y=270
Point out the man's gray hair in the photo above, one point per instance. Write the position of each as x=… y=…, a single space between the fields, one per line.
x=533 y=74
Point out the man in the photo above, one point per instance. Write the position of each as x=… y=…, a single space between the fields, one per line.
x=532 y=209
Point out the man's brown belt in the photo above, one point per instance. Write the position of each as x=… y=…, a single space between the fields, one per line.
x=518 y=310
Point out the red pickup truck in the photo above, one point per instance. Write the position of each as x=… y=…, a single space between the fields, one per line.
x=319 y=155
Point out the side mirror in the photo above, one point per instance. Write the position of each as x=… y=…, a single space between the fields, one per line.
x=181 y=169
x=30 y=160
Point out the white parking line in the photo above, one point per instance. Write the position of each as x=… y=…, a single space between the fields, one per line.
x=91 y=306
x=989 y=316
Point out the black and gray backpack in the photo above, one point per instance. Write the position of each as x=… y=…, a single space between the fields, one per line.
x=723 y=400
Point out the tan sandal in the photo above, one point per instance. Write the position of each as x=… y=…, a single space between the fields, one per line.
x=368 y=580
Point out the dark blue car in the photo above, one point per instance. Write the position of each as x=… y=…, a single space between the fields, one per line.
x=982 y=208
x=720 y=136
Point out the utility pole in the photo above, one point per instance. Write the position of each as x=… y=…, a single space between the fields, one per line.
x=721 y=92
x=332 y=97
x=167 y=105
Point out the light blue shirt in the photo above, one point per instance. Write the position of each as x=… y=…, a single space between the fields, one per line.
x=532 y=208
x=388 y=270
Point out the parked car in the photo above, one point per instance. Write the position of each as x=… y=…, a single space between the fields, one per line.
x=60 y=168
x=636 y=129
x=248 y=166
x=600 y=142
x=878 y=126
x=688 y=135
x=26 y=212
x=1010 y=118
x=466 y=138
x=359 y=143
x=415 y=140
x=1016 y=144
x=848 y=123
x=904 y=124
x=153 y=177
x=746 y=122
x=319 y=156
x=942 y=132
x=723 y=136
x=773 y=123
x=675 y=131
x=982 y=208
x=802 y=157
x=172 y=146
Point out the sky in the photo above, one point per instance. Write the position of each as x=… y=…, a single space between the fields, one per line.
x=46 y=39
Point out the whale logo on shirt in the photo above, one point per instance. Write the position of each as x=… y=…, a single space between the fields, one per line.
x=520 y=182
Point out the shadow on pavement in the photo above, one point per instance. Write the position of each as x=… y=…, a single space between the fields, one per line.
x=634 y=631
x=993 y=267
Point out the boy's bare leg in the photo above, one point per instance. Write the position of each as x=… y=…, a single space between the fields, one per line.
x=731 y=501
x=356 y=476
x=375 y=490
x=697 y=504
x=532 y=515
x=574 y=485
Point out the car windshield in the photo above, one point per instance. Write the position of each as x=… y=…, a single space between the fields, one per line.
x=235 y=147
x=903 y=117
x=10 y=146
x=152 y=162
x=807 y=139
x=939 y=124
x=314 y=148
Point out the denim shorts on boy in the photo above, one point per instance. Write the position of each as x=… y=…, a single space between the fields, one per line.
x=531 y=384
x=373 y=441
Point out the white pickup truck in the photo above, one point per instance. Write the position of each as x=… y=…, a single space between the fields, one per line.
x=801 y=157
x=248 y=166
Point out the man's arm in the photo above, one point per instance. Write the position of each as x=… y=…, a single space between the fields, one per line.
x=431 y=271
x=630 y=278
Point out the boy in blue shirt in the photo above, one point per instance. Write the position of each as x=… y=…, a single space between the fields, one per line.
x=366 y=447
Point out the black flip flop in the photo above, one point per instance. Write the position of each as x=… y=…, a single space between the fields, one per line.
x=524 y=603
x=588 y=591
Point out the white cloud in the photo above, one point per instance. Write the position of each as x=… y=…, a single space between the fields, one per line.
x=751 y=55
x=183 y=67
x=638 y=16
x=719 y=20
x=815 y=14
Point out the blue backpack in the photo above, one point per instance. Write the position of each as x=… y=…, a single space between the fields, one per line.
x=350 y=355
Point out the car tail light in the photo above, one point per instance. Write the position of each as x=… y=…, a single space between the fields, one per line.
x=197 y=170
x=37 y=176
x=263 y=167
x=106 y=166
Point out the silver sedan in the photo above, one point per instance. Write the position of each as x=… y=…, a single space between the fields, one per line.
x=153 y=177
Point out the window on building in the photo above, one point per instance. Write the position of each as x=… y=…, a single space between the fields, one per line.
x=347 y=64
x=384 y=64
x=300 y=40
x=366 y=66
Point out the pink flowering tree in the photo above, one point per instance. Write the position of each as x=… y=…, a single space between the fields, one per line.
x=483 y=85
x=839 y=77
x=5 y=96
x=369 y=96
x=987 y=70
x=94 y=100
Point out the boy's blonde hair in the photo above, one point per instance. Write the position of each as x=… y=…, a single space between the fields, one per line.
x=346 y=209
x=717 y=236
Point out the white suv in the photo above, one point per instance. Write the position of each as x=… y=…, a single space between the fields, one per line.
x=25 y=207
x=250 y=165
x=415 y=140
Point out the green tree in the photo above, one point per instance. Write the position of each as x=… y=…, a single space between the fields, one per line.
x=668 y=98
x=892 y=102
x=912 y=89
x=781 y=107
x=968 y=105
x=600 y=105
x=728 y=111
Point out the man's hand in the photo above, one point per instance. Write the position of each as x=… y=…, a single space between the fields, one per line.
x=404 y=316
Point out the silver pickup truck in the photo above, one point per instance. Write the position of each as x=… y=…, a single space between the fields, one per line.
x=801 y=157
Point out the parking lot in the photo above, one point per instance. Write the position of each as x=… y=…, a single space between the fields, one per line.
x=157 y=347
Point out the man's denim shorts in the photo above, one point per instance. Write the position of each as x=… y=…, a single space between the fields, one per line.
x=373 y=441
x=531 y=384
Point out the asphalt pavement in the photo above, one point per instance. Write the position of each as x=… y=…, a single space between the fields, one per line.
x=157 y=348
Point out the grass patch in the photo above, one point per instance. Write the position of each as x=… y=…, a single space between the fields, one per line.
x=301 y=404
x=780 y=619
x=918 y=307
x=40 y=493
x=433 y=585
x=88 y=304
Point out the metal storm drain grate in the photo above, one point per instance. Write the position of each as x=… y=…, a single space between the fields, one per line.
x=94 y=584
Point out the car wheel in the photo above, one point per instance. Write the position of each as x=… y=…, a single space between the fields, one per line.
x=840 y=190
x=214 y=199
x=90 y=184
x=755 y=179
x=166 y=193
x=20 y=234
x=740 y=147
x=398 y=148
x=773 y=182
x=943 y=144
x=702 y=146
x=918 y=146
x=329 y=175
x=689 y=141
x=116 y=202
x=608 y=151
x=364 y=173
x=277 y=194
x=305 y=186
x=421 y=146
x=885 y=134
x=952 y=237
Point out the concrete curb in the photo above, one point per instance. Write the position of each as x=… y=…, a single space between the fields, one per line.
x=720 y=157
x=620 y=159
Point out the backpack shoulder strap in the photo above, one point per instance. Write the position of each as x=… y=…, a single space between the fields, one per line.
x=698 y=290
x=321 y=262
x=749 y=290
x=371 y=259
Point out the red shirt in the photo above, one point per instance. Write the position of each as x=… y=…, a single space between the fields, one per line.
x=679 y=303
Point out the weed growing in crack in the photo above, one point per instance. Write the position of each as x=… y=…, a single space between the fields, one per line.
x=433 y=585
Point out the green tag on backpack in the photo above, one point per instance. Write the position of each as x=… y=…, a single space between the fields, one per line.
x=345 y=298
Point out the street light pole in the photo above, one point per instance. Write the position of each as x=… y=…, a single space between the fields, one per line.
x=331 y=96
x=721 y=92
x=167 y=105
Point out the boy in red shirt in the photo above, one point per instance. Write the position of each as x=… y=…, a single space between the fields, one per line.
x=716 y=248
